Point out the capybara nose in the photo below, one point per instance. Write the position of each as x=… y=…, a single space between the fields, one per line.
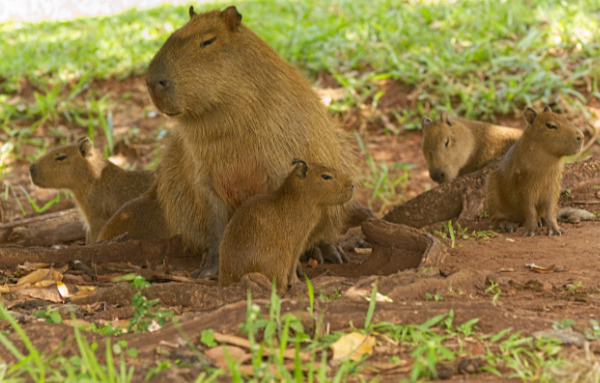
x=158 y=84
x=32 y=170
x=438 y=175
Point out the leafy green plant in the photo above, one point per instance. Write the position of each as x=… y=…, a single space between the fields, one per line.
x=563 y=324
x=495 y=290
x=434 y=297
x=51 y=316
x=145 y=311
x=572 y=288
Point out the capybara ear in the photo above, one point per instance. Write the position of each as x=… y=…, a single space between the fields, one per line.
x=530 y=115
x=191 y=11
x=547 y=108
x=232 y=18
x=301 y=167
x=425 y=121
x=445 y=118
x=85 y=146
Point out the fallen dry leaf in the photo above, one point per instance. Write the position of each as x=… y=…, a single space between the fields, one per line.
x=40 y=275
x=49 y=293
x=313 y=263
x=218 y=355
x=363 y=251
x=62 y=289
x=84 y=291
x=30 y=266
x=353 y=346
x=540 y=269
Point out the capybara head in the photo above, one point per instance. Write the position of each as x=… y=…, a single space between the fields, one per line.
x=324 y=185
x=552 y=133
x=67 y=166
x=447 y=146
x=208 y=62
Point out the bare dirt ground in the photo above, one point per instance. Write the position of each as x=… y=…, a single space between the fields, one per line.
x=459 y=274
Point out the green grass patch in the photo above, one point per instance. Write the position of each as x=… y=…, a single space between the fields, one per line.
x=272 y=334
x=479 y=57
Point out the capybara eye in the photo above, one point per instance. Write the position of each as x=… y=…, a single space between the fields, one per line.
x=326 y=177
x=60 y=158
x=550 y=126
x=447 y=142
x=207 y=42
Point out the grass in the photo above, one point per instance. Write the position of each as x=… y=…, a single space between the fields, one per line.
x=478 y=58
x=273 y=336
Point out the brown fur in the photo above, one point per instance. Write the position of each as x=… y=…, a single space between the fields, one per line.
x=268 y=233
x=140 y=218
x=456 y=146
x=98 y=186
x=241 y=113
x=526 y=186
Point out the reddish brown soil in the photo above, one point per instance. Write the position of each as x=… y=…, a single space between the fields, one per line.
x=528 y=301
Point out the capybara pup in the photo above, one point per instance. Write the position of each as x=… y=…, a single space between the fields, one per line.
x=454 y=146
x=268 y=233
x=98 y=186
x=525 y=188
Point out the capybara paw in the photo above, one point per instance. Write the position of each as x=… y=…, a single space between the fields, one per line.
x=314 y=253
x=299 y=271
x=531 y=232
x=556 y=231
x=206 y=273
x=342 y=254
x=332 y=253
x=508 y=227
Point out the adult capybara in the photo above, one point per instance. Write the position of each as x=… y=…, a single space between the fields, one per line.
x=268 y=233
x=242 y=112
x=526 y=186
x=98 y=186
x=454 y=146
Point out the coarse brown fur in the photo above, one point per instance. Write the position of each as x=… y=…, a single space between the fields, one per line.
x=268 y=233
x=140 y=218
x=454 y=146
x=526 y=186
x=98 y=186
x=242 y=112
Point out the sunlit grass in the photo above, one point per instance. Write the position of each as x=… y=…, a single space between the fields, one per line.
x=473 y=58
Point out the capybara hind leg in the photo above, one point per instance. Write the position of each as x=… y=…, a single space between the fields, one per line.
x=332 y=253
x=326 y=252
x=313 y=253
x=507 y=226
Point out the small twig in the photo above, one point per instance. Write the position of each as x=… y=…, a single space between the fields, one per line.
x=244 y=343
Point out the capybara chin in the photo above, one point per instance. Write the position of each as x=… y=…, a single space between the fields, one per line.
x=99 y=187
x=242 y=112
x=454 y=146
x=268 y=233
x=525 y=188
